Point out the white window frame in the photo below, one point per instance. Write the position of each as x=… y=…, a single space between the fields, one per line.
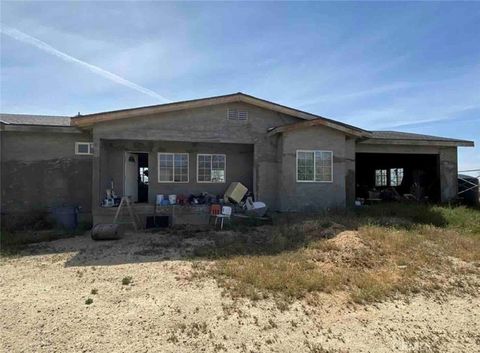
x=173 y=166
x=225 y=169
x=394 y=171
x=90 y=148
x=382 y=175
x=314 y=167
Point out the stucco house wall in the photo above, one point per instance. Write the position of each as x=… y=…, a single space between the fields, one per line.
x=39 y=170
x=310 y=196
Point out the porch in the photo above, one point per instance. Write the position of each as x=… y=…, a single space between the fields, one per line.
x=144 y=169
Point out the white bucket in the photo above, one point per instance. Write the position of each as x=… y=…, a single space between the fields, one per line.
x=172 y=199
x=159 y=199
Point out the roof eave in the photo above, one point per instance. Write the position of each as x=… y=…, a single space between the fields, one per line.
x=419 y=142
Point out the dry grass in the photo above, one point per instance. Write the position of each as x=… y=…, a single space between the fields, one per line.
x=392 y=251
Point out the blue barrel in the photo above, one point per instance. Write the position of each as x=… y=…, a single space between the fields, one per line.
x=66 y=216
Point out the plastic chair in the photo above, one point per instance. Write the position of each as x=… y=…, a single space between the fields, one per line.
x=214 y=211
x=226 y=213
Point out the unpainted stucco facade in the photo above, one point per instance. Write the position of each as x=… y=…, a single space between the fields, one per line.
x=40 y=169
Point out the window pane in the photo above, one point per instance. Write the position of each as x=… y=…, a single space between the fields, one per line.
x=323 y=166
x=380 y=177
x=82 y=148
x=396 y=176
x=165 y=167
x=181 y=167
x=204 y=167
x=305 y=166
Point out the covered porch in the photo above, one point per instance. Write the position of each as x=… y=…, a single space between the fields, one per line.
x=144 y=169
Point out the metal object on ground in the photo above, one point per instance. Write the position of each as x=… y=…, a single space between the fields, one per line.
x=106 y=232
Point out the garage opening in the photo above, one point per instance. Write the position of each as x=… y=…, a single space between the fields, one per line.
x=392 y=176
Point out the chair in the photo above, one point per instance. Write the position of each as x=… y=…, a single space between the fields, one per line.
x=214 y=211
x=226 y=213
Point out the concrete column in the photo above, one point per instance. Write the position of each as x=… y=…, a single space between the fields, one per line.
x=448 y=173
x=350 y=183
x=96 y=173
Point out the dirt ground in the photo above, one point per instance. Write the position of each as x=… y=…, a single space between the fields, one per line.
x=164 y=309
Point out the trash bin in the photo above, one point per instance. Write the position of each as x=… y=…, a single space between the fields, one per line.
x=66 y=216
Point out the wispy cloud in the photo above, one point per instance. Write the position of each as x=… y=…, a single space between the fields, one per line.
x=28 y=39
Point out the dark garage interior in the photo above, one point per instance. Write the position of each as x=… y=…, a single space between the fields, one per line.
x=409 y=176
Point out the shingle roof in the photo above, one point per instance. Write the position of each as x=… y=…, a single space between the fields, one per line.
x=27 y=119
x=398 y=135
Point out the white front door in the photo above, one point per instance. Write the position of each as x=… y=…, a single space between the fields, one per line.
x=131 y=176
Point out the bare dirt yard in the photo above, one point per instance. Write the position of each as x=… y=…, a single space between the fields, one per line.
x=309 y=286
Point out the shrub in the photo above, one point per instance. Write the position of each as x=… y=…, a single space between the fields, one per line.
x=127 y=280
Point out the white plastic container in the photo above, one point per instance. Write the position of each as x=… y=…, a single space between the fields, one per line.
x=172 y=199
x=159 y=199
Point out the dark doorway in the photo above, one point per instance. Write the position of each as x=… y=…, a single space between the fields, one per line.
x=406 y=173
x=143 y=177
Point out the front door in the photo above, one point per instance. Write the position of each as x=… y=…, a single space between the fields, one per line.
x=131 y=176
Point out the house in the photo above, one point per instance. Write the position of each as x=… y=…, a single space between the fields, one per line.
x=290 y=159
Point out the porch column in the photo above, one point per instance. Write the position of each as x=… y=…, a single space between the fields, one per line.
x=448 y=173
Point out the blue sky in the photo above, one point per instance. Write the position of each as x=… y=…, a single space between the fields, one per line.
x=411 y=67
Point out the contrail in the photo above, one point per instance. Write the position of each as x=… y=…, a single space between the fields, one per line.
x=23 y=37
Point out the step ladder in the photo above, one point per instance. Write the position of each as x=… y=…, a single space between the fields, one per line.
x=134 y=219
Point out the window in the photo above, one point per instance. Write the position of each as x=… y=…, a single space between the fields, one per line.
x=83 y=148
x=173 y=167
x=314 y=166
x=396 y=176
x=211 y=168
x=380 y=177
x=234 y=114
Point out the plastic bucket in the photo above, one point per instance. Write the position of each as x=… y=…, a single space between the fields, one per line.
x=66 y=216
x=172 y=199
x=159 y=199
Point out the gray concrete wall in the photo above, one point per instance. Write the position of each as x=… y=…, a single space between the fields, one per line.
x=206 y=125
x=298 y=196
x=448 y=173
x=40 y=170
x=239 y=167
x=350 y=172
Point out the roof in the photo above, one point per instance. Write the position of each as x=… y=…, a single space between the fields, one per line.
x=411 y=138
x=28 y=119
x=87 y=120
x=307 y=120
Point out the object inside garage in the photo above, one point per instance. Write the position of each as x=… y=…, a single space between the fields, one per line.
x=396 y=176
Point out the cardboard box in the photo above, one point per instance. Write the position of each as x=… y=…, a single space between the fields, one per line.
x=235 y=192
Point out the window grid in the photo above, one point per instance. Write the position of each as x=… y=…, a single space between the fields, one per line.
x=173 y=168
x=314 y=166
x=396 y=176
x=211 y=168
x=380 y=177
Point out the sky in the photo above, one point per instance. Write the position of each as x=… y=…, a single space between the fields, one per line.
x=411 y=67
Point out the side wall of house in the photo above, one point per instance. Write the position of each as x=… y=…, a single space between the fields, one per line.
x=39 y=170
x=311 y=196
